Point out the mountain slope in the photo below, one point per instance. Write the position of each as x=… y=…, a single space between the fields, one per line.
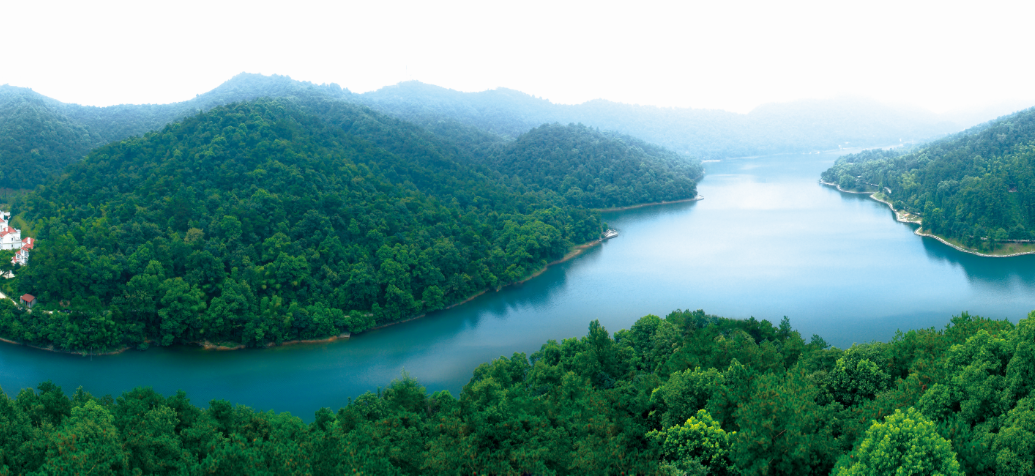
x=39 y=136
x=63 y=133
x=597 y=170
x=275 y=220
x=976 y=188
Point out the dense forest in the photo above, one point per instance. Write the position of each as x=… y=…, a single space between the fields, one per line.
x=39 y=135
x=280 y=220
x=688 y=394
x=596 y=170
x=976 y=187
x=35 y=141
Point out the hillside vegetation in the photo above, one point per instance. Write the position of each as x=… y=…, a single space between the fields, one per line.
x=977 y=187
x=272 y=221
x=688 y=394
x=596 y=170
x=41 y=135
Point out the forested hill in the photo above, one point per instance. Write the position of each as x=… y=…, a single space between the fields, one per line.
x=977 y=187
x=39 y=135
x=597 y=170
x=687 y=394
x=36 y=139
x=271 y=221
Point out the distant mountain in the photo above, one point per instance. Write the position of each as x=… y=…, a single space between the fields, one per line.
x=976 y=187
x=40 y=135
x=772 y=128
x=37 y=138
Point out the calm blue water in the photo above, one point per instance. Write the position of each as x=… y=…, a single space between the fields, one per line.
x=767 y=241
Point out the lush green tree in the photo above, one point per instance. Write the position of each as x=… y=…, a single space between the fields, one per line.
x=698 y=446
x=782 y=428
x=856 y=378
x=598 y=404
x=87 y=443
x=905 y=443
x=685 y=394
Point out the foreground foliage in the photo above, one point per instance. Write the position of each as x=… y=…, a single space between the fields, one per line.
x=687 y=394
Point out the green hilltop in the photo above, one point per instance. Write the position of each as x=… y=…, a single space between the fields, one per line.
x=976 y=188
x=39 y=135
x=303 y=218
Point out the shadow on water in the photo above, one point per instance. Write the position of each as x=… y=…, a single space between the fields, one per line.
x=640 y=214
x=996 y=273
x=1000 y=274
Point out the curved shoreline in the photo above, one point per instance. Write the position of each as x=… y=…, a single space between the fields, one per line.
x=906 y=217
x=575 y=251
x=631 y=207
x=209 y=346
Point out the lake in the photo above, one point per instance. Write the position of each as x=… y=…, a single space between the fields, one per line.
x=767 y=241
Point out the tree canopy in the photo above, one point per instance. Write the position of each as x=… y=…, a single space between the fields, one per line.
x=689 y=393
x=275 y=220
x=594 y=169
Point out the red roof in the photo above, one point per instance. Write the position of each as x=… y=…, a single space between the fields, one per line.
x=28 y=297
x=27 y=243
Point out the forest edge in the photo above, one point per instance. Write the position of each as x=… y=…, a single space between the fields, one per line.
x=906 y=217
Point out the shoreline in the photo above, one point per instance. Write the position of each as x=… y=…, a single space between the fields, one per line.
x=906 y=217
x=575 y=251
x=209 y=346
x=62 y=351
x=631 y=207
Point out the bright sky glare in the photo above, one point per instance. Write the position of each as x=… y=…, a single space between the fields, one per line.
x=730 y=55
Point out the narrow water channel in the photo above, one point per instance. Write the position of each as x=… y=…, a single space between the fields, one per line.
x=767 y=241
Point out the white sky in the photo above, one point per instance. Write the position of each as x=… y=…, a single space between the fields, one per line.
x=714 y=54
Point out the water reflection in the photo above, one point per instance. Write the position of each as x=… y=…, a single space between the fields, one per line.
x=991 y=274
x=1001 y=274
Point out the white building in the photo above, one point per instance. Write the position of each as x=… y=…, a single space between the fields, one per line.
x=11 y=239
x=22 y=255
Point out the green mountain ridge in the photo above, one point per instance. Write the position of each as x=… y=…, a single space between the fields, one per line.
x=42 y=135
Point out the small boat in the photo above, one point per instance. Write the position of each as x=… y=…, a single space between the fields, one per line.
x=610 y=233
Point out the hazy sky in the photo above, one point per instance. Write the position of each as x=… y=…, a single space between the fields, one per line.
x=715 y=54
